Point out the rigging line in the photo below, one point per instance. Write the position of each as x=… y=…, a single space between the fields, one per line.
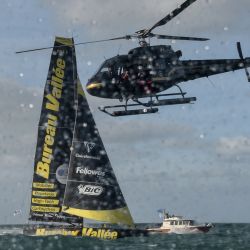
x=211 y=82
x=74 y=69
x=45 y=126
x=119 y=49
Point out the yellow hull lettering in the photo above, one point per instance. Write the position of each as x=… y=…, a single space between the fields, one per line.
x=46 y=232
x=100 y=233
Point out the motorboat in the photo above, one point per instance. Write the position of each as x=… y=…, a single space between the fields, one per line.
x=179 y=225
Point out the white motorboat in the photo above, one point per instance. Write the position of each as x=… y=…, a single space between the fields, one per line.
x=179 y=225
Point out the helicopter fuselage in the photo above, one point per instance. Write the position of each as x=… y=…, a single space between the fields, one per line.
x=146 y=71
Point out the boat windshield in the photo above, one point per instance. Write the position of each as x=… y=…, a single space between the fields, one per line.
x=181 y=222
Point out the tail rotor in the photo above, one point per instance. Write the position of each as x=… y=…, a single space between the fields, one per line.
x=243 y=60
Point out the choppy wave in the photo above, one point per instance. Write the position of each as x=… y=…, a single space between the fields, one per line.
x=222 y=236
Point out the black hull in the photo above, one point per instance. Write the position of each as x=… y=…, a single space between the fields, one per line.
x=78 y=231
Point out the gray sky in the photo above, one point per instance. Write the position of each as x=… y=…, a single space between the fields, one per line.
x=192 y=160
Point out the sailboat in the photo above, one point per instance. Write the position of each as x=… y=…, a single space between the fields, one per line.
x=73 y=179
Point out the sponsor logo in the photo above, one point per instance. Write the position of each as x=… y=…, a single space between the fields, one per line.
x=45 y=201
x=87 y=156
x=89 y=146
x=41 y=185
x=99 y=233
x=52 y=105
x=42 y=209
x=90 y=190
x=86 y=171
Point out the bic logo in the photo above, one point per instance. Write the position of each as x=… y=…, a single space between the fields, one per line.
x=90 y=190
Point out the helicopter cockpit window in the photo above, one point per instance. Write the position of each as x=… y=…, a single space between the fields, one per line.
x=104 y=69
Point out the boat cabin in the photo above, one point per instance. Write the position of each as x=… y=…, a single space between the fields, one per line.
x=177 y=221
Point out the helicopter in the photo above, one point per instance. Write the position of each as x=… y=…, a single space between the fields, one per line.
x=147 y=70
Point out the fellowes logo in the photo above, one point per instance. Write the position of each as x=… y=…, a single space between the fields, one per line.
x=86 y=171
x=90 y=190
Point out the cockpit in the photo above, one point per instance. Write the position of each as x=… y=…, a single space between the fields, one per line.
x=112 y=65
x=108 y=76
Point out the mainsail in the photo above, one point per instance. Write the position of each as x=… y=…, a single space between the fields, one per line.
x=73 y=177
x=55 y=134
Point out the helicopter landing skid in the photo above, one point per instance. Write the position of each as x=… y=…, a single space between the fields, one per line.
x=148 y=107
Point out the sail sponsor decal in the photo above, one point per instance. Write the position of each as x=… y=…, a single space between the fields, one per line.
x=100 y=233
x=77 y=155
x=89 y=145
x=44 y=193
x=41 y=185
x=45 y=201
x=90 y=190
x=46 y=209
x=52 y=104
x=87 y=171
x=90 y=151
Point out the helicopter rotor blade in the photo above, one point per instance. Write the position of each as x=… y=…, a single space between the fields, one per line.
x=169 y=17
x=127 y=37
x=187 y=38
x=44 y=48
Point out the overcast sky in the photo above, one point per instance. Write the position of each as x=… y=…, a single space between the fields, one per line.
x=192 y=160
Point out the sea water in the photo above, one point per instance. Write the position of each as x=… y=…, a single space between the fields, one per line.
x=222 y=236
